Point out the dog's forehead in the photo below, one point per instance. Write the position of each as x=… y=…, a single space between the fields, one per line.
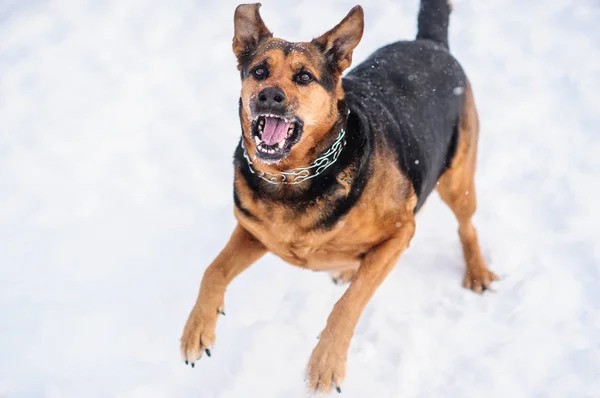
x=286 y=49
x=286 y=46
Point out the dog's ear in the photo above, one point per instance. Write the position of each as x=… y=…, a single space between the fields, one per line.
x=249 y=30
x=339 y=42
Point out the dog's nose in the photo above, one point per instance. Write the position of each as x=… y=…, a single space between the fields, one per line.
x=271 y=96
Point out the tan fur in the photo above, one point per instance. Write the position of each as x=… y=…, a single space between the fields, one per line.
x=365 y=246
x=351 y=26
x=327 y=364
x=312 y=103
x=377 y=216
x=457 y=189
x=249 y=28
x=241 y=251
x=367 y=241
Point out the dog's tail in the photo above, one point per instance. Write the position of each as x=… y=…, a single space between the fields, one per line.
x=434 y=16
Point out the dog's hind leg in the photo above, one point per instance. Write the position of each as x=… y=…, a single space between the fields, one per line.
x=457 y=189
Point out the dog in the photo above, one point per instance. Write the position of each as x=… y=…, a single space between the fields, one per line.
x=330 y=170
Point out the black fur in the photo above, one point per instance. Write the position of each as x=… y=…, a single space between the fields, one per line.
x=407 y=96
x=327 y=76
x=238 y=204
x=356 y=155
x=434 y=17
x=359 y=146
x=287 y=49
x=412 y=95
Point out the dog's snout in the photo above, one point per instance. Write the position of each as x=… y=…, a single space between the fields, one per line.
x=271 y=96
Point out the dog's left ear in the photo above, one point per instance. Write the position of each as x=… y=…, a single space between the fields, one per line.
x=249 y=30
x=339 y=42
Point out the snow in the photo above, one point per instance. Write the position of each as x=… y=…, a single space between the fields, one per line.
x=118 y=120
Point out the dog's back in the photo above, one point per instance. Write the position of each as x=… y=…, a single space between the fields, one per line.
x=320 y=187
x=409 y=96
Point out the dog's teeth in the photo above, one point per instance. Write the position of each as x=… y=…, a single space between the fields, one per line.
x=281 y=144
x=257 y=140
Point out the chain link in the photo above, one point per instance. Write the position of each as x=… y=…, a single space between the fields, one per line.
x=302 y=174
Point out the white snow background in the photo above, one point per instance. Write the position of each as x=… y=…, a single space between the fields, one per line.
x=118 y=121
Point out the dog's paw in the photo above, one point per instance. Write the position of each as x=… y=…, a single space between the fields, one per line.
x=199 y=333
x=479 y=280
x=343 y=277
x=326 y=367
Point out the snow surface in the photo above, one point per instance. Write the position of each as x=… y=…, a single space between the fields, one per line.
x=118 y=120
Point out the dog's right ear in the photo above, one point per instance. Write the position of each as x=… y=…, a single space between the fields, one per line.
x=249 y=30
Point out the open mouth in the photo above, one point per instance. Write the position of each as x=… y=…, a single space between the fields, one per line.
x=274 y=136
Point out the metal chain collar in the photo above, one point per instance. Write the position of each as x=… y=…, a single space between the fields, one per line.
x=302 y=174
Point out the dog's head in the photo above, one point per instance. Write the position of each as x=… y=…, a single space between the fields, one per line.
x=290 y=91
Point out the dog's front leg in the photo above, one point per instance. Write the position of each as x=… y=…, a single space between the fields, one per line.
x=199 y=333
x=327 y=365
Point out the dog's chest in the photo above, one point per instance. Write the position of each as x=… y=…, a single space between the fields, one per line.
x=299 y=235
x=293 y=238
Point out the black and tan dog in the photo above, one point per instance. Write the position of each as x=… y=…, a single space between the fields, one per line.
x=330 y=171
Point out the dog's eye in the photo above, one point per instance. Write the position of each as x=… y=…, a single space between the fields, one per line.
x=303 y=78
x=260 y=72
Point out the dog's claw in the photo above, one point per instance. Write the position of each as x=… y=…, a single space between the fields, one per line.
x=186 y=362
x=193 y=364
x=220 y=311
x=199 y=333
x=334 y=384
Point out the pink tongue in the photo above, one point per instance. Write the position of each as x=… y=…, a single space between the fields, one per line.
x=275 y=130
